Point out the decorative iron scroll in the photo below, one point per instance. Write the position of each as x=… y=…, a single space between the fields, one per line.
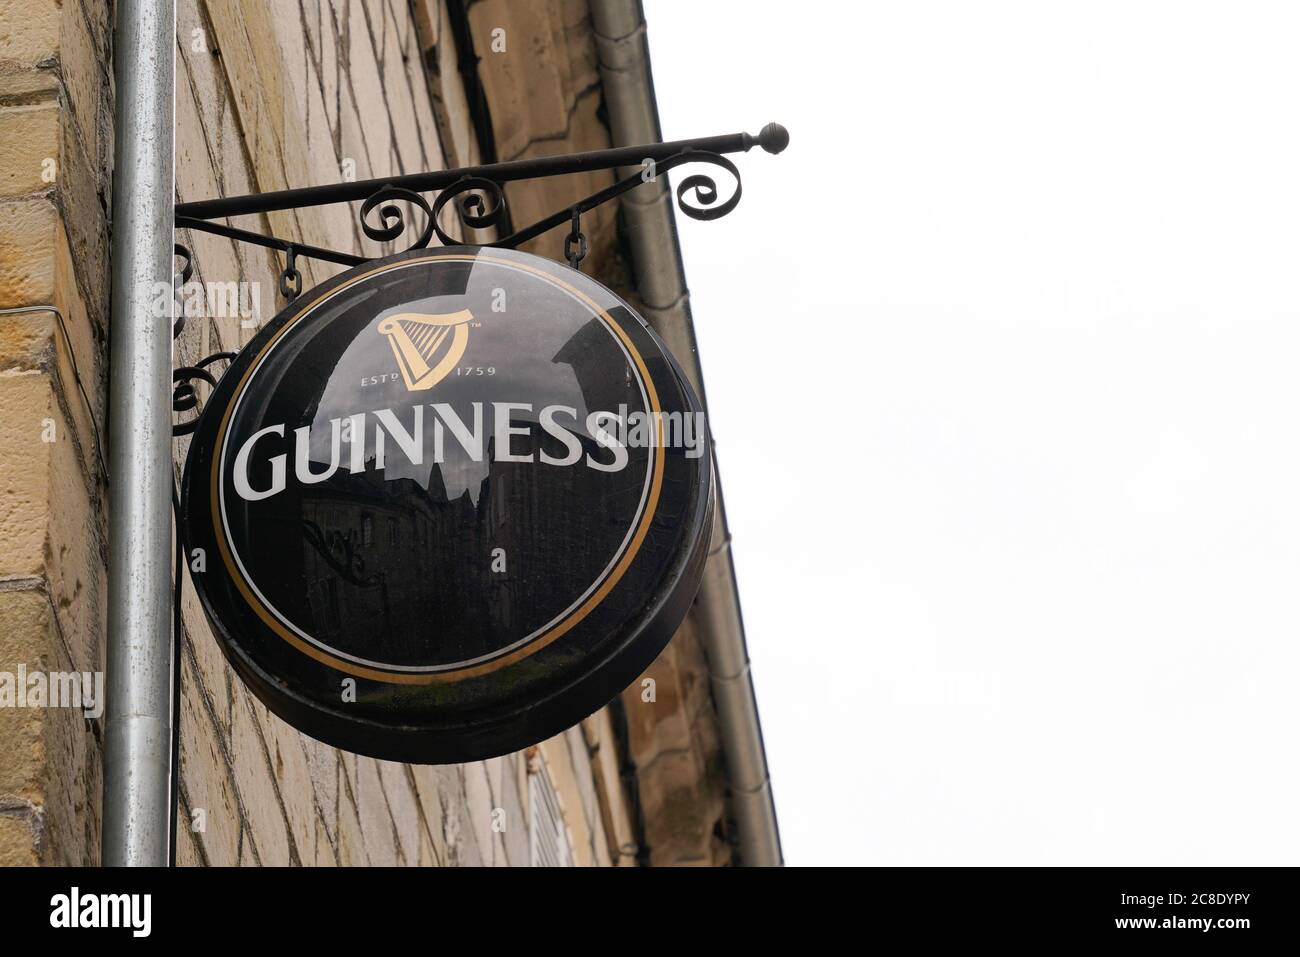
x=178 y=281
x=184 y=396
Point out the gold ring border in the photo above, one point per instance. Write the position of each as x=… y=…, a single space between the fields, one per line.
x=537 y=644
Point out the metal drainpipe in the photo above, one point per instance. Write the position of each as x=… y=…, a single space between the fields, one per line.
x=619 y=26
x=137 y=749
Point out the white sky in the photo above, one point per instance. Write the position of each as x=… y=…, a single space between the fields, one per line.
x=1001 y=356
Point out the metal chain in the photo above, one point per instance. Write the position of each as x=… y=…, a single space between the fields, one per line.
x=575 y=256
x=291 y=278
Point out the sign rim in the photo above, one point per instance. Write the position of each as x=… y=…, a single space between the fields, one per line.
x=508 y=724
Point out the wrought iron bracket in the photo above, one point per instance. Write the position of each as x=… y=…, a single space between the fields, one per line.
x=478 y=195
x=480 y=198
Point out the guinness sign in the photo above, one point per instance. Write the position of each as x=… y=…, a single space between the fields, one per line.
x=448 y=504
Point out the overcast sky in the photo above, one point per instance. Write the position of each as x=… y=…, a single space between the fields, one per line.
x=1001 y=357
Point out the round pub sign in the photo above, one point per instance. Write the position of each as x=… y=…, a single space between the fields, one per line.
x=449 y=504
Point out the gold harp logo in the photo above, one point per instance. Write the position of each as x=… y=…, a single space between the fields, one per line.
x=427 y=347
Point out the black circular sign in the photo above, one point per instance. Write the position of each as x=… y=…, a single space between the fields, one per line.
x=449 y=504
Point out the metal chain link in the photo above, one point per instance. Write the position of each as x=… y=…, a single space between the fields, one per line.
x=575 y=256
x=291 y=278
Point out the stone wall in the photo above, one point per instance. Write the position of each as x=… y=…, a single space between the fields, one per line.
x=55 y=155
x=274 y=95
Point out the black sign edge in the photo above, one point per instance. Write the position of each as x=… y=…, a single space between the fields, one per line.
x=553 y=714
